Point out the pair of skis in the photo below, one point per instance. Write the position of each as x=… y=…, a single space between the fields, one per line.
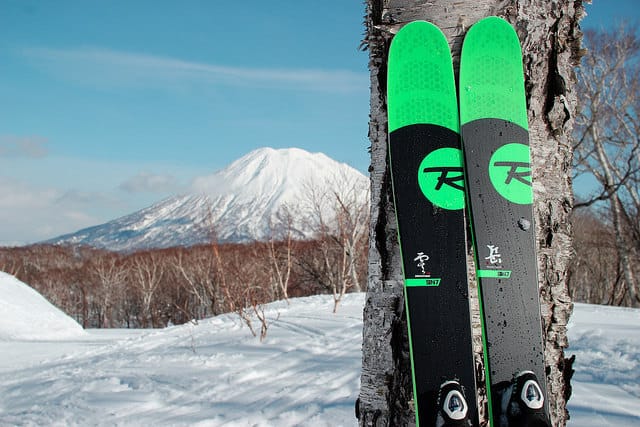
x=434 y=180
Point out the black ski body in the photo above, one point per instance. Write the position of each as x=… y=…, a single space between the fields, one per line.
x=493 y=117
x=428 y=185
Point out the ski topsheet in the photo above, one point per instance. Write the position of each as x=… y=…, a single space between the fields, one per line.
x=428 y=187
x=493 y=119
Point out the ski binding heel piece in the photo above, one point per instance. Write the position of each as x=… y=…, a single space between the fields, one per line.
x=453 y=407
x=530 y=392
x=524 y=403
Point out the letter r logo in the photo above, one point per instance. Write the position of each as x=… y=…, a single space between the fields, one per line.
x=441 y=178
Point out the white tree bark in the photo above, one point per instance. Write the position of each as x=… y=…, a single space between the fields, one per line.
x=551 y=41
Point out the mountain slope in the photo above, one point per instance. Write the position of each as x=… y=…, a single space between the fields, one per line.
x=239 y=203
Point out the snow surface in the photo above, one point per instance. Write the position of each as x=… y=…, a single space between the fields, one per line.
x=606 y=385
x=306 y=372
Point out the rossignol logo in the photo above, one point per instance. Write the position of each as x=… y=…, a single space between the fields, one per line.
x=510 y=173
x=441 y=178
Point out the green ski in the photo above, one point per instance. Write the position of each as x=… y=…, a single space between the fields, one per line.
x=493 y=118
x=428 y=188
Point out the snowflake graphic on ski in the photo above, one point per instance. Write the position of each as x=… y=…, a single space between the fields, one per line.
x=421 y=262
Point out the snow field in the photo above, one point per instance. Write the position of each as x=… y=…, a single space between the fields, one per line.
x=606 y=384
x=215 y=373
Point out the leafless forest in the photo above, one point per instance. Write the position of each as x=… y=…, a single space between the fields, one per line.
x=158 y=287
x=606 y=146
x=155 y=288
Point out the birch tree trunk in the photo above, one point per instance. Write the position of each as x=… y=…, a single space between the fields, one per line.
x=550 y=39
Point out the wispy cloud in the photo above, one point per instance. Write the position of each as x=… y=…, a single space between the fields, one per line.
x=83 y=199
x=29 y=214
x=125 y=68
x=59 y=195
x=23 y=146
x=146 y=182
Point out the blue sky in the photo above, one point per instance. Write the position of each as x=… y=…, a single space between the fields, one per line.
x=111 y=106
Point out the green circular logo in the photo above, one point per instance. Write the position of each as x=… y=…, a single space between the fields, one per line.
x=441 y=178
x=510 y=173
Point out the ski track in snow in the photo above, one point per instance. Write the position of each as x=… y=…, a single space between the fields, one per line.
x=306 y=373
x=214 y=373
x=606 y=384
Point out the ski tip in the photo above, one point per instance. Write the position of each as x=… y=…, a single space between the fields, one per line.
x=420 y=80
x=498 y=31
x=495 y=23
x=418 y=39
x=418 y=27
x=491 y=74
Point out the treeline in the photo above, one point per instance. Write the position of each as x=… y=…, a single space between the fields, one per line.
x=599 y=271
x=156 y=288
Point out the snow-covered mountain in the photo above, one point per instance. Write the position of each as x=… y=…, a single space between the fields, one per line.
x=239 y=203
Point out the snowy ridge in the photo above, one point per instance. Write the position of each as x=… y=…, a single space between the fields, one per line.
x=236 y=204
x=25 y=315
x=176 y=219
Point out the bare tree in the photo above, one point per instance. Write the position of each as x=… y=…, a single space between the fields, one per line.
x=595 y=274
x=196 y=267
x=340 y=221
x=245 y=285
x=147 y=270
x=352 y=218
x=607 y=144
x=550 y=38
x=280 y=248
x=111 y=273
x=9 y=264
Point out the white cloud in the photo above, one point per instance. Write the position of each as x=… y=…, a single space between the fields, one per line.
x=83 y=199
x=44 y=199
x=29 y=214
x=104 y=66
x=207 y=184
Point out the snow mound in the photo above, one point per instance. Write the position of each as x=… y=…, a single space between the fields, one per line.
x=25 y=315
